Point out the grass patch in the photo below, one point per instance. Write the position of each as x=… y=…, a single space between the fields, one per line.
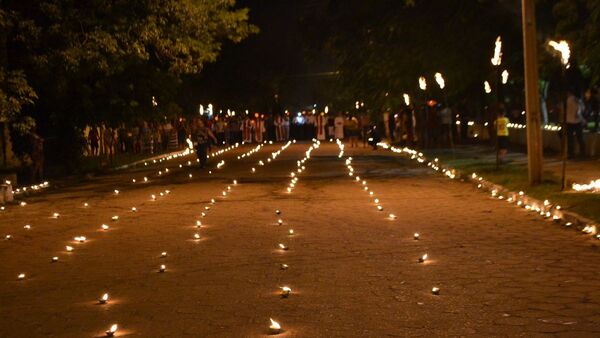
x=515 y=177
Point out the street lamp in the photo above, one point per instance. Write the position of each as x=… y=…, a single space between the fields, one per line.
x=562 y=47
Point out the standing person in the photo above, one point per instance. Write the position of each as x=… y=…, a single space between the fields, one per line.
x=353 y=131
x=246 y=128
x=339 y=126
x=502 y=133
x=446 y=126
x=592 y=108
x=219 y=127
x=575 y=121
x=259 y=128
x=279 y=132
x=365 y=123
x=37 y=157
x=321 y=126
x=109 y=142
x=286 y=127
x=94 y=137
x=330 y=127
x=201 y=135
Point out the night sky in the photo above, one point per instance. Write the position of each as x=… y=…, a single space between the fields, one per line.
x=281 y=59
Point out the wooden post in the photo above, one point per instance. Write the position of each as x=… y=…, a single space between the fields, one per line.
x=532 y=99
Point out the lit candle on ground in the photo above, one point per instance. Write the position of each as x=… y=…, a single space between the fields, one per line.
x=23 y=204
x=162 y=268
x=423 y=258
x=153 y=197
x=21 y=276
x=116 y=192
x=275 y=328
x=376 y=201
x=289 y=189
x=111 y=332
x=202 y=214
x=133 y=180
x=54 y=259
x=105 y=227
x=69 y=248
x=103 y=299
x=80 y=239
x=198 y=224
x=207 y=208
x=56 y=215
x=212 y=201
x=435 y=290
x=286 y=291
x=224 y=193
x=283 y=246
x=27 y=227
x=86 y=205
x=278 y=212
x=133 y=209
x=280 y=221
x=190 y=175
x=115 y=218
x=234 y=182
x=163 y=254
x=416 y=236
x=196 y=236
x=392 y=216
x=380 y=208
x=283 y=266
x=291 y=232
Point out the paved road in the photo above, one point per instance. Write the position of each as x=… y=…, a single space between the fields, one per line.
x=353 y=271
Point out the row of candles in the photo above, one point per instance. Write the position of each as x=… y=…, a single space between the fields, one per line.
x=545 y=209
x=82 y=239
x=435 y=290
x=286 y=291
x=273 y=155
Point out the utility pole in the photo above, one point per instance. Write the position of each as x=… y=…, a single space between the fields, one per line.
x=532 y=98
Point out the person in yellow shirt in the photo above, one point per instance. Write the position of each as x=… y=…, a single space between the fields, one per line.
x=502 y=133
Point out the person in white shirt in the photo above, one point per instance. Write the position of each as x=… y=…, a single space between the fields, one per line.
x=339 y=126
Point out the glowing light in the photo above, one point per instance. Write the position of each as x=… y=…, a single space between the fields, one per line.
x=69 y=248
x=440 y=80
x=435 y=290
x=103 y=299
x=291 y=232
x=563 y=48
x=505 y=77
x=275 y=327
x=163 y=254
x=286 y=291
x=392 y=216
x=196 y=236
x=487 y=87
x=21 y=276
x=406 y=99
x=593 y=186
x=284 y=266
x=497 y=59
x=56 y=215
x=283 y=246
x=111 y=332
x=416 y=236
x=162 y=268
x=133 y=209
x=116 y=192
x=423 y=258
x=104 y=227
x=54 y=259
x=422 y=83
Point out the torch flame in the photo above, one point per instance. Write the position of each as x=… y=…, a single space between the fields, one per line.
x=440 y=80
x=505 y=76
x=563 y=48
x=422 y=83
x=497 y=59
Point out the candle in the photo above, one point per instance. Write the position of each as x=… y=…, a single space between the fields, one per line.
x=54 y=259
x=423 y=258
x=283 y=266
x=275 y=328
x=416 y=236
x=133 y=209
x=8 y=237
x=104 y=227
x=69 y=248
x=289 y=189
x=133 y=180
x=376 y=201
x=198 y=224
x=283 y=246
x=80 y=239
x=234 y=182
x=435 y=290
x=392 y=216
x=190 y=175
x=111 y=332
x=153 y=197
x=85 y=205
x=291 y=232
x=212 y=201
x=163 y=254
x=162 y=268
x=103 y=299
x=280 y=221
x=380 y=208
x=115 y=218
x=145 y=179
x=286 y=291
x=56 y=215
x=207 y=208
x=278 y=212
x=197 y=236
x=116 y=192
x=224 y=193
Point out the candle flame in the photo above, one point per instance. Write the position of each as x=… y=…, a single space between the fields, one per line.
x=422 y=83
x=406 y=100
x=505 y=76
x=487 y=87
x=274 y=325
